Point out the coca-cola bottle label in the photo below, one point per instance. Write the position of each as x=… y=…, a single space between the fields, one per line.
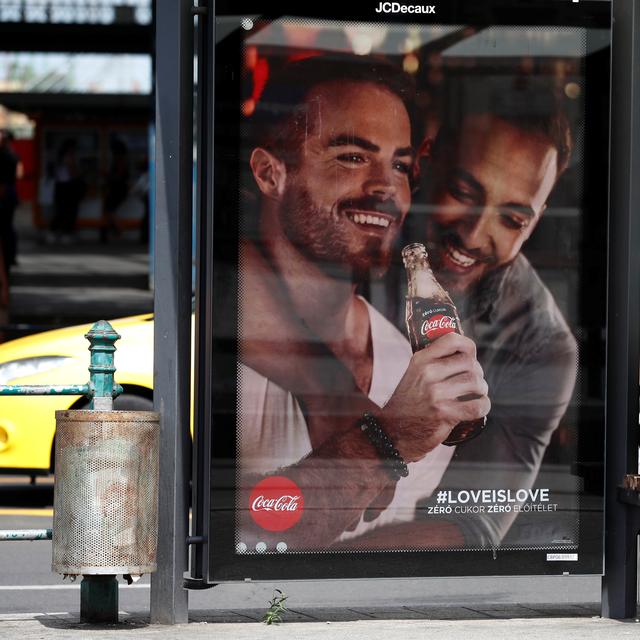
x=427 y=320
x=430 y=314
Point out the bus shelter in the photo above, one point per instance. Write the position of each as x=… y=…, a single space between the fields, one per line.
x=498 y=135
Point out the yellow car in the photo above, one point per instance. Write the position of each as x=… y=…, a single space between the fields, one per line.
x=27 y=423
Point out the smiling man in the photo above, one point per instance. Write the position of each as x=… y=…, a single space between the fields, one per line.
x=489 y=187
x=330 y=167
x=490 y=173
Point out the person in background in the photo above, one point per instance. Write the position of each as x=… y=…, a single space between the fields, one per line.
x=46 y=198
x=116 y=187
x=10 y=171
x=68 y=192
x=140 y=189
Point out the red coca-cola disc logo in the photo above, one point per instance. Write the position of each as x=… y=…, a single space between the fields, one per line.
x=276 y=503
x=437 y=325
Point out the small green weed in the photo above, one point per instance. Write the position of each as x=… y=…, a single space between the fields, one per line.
x=277 y=607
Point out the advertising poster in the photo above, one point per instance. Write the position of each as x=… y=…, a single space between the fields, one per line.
x=409 y=285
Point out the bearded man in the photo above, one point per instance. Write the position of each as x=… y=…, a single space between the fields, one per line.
x=358 y=426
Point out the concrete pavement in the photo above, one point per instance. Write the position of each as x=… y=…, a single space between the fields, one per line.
x=441 y=624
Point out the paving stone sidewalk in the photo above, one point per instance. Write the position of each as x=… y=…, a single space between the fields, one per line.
x=494 y=622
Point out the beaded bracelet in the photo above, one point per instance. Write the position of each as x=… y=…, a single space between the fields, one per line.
x=394 y=463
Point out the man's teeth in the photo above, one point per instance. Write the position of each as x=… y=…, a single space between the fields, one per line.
x=361 y=218
x=460 y=258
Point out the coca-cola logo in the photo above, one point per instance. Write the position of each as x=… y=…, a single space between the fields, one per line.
x=437 y=325
x=276 y=503
x=283 y=503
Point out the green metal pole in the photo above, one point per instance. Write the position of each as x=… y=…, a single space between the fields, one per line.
x=26 y=534
x=102 y=387
x=99 y=594
x=44 y=390
x=99 y=599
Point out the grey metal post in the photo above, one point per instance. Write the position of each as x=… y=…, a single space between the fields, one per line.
x=174 y=121
x=619 y=581
x=204 y=296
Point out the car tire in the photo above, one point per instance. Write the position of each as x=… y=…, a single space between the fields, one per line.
x=131 y=402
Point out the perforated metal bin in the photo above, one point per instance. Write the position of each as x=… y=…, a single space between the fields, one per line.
x=106 y=492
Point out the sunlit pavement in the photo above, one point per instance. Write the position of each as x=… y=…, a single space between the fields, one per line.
x=584 y=628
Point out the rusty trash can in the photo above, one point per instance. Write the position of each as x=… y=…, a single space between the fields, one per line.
x=106 y=492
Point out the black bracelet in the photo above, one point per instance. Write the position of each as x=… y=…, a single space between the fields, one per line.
x=394 y=463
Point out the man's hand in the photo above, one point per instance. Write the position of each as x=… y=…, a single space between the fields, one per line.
x=443 y=386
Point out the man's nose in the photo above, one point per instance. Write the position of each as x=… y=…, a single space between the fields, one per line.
x=476 y=228
x=380 y=182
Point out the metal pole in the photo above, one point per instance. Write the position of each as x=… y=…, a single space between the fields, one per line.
x=99 y=599
x=102 y=338
x=26 y=534
x=619 y=581
x=99 y=593
x=45 y=390
x=172 y=249
x=204 y=300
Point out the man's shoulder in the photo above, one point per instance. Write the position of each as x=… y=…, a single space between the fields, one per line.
x=526 y=302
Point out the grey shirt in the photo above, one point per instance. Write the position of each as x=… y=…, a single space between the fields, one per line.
x=529 y=357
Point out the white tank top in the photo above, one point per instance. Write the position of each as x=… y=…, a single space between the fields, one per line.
x=272 y=432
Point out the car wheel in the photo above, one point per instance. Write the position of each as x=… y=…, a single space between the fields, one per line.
x=131 y=402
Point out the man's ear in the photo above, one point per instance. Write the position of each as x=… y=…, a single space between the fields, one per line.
x=269 y=172
x=423 y=156
x=424 y=150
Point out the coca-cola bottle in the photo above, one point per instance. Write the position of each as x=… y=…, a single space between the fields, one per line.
x=430 y=313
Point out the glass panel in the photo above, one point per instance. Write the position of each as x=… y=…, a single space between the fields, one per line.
x=76 y=11
x=354 y=140
x=74 y=73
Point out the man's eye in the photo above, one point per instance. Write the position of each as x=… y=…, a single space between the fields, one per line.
x=512 y=221
x=402 y=167
x=353 y=158
x=461 y=193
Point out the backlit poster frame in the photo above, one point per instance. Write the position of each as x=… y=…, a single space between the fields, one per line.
x=574 y=279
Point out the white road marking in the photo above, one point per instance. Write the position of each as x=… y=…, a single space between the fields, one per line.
x=28 y=616
x=46 y=587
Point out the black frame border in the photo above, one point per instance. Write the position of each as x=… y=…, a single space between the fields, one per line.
x=217 y=389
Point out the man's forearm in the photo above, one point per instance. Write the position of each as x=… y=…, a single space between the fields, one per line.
x=338 y=481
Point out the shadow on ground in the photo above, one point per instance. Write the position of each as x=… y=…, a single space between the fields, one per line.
x=73 y=622
x=131 y=621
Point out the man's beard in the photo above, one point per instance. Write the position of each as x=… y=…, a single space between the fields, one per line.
x=477 y=290
x=320 y=238
x=438 y=239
